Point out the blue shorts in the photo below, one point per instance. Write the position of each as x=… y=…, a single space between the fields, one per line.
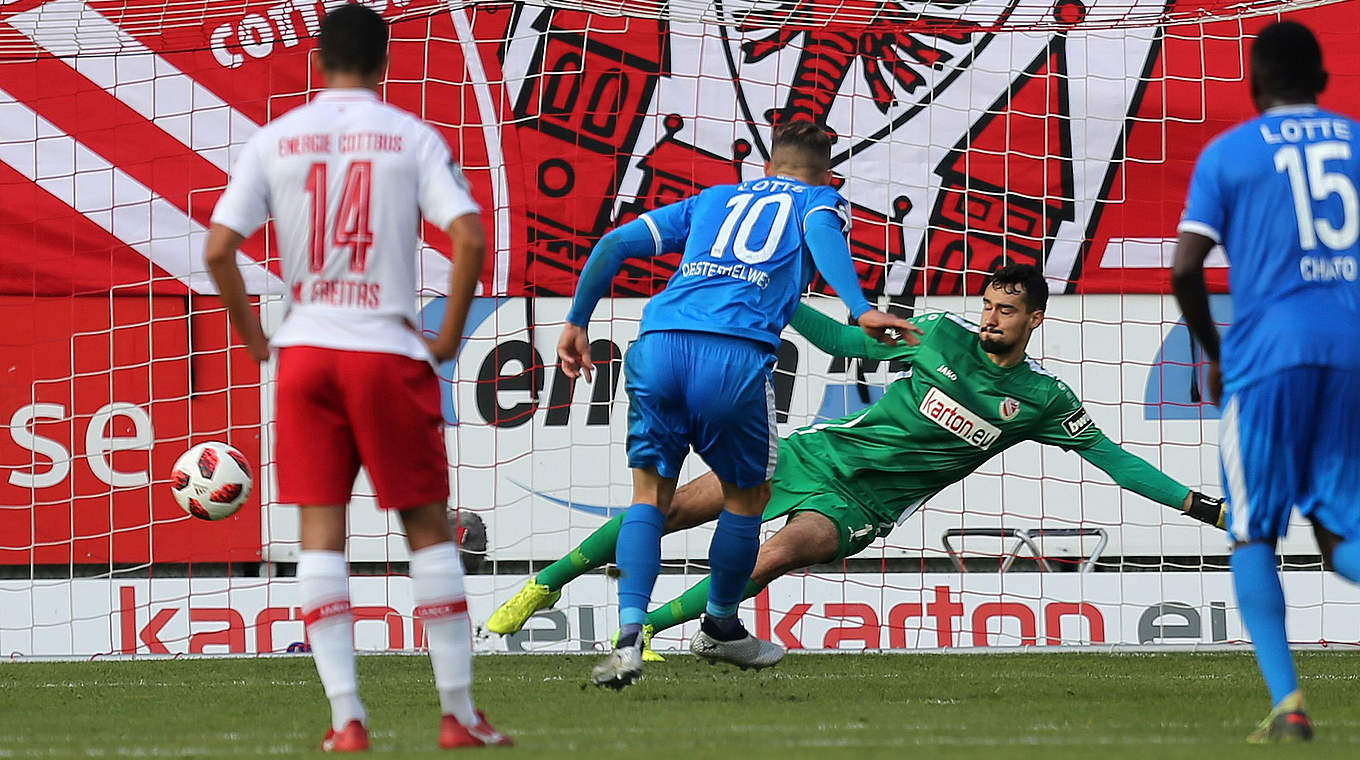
x=1292 y=440
x=705 y=390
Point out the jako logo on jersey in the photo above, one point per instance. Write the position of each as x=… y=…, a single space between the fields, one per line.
x=944 y=369
x=1009 y=408
x=955 y=417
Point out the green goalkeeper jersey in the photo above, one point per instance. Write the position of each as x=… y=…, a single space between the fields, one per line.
x=953 y=409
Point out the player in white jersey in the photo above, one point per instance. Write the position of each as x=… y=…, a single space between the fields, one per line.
x=346 y=179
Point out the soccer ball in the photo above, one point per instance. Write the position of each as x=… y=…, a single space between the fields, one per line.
x=211 y=480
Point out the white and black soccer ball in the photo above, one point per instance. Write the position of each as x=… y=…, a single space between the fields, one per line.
x=211 y=480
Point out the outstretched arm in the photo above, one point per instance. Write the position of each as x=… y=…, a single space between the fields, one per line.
x=1134 y=473
x=837 y=339
x=631 y=240
x=639 y=237
x=831 y=253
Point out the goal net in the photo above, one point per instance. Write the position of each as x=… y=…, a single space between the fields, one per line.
x=1059 y=133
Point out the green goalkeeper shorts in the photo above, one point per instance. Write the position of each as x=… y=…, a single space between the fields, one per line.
x=796 y=489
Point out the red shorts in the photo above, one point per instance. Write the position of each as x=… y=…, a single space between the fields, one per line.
x=338 y=409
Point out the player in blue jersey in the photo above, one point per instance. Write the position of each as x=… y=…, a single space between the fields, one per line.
x=699 y=373
x=1279 y=194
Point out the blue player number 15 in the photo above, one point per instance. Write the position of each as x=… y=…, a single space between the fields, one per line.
x=742 y=217
x=1320 y=183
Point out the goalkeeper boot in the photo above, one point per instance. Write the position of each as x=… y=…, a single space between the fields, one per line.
x=648 y=654
x=727 y=640
x=453 y=734
x=511 y=616
x=1286 y=723
x=623 y=666
x=352 y=738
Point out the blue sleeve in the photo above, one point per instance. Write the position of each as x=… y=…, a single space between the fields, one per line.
x=670 y=224
x=825 y=235
x=633 y=239
x=1205 y=210
x=652 y=234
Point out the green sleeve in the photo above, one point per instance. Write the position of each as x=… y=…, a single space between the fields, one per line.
x=1134 y=473
x=1065 y=422
x=837 y=339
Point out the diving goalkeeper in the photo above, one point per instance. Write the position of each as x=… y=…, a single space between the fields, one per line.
x=969 y=393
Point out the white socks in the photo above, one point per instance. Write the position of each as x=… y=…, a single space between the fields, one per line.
x=323 y=578
x=441 y=606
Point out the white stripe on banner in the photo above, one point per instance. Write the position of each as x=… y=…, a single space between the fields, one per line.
x=87 y=41
x=147 y=83
x=1230 y=449
x=109 y=197
x=435 y=269
x=772 y=427
x=1150 y=253
x=491 y=137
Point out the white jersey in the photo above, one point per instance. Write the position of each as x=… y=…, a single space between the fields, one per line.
x=347 y=178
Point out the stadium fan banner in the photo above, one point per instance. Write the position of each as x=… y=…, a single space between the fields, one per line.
x=959 y=141
x=921 y=612
x=1058 y=133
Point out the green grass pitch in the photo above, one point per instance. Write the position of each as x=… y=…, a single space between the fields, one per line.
x=849 y=705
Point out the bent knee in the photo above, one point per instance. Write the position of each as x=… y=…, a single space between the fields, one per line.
x=688 y=513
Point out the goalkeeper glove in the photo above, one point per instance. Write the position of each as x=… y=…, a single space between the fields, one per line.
x=1208 y=509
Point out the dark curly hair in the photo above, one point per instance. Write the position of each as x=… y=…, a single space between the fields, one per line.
x=1021 y=278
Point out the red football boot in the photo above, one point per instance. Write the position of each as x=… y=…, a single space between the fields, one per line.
x=453 y=734
x=352 y=738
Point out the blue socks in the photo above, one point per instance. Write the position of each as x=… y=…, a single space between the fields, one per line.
x=639 y=557
x=731 y=558
x=1260 y=599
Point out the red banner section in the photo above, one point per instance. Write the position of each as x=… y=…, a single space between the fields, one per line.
x=959 y=146
x=101 y=395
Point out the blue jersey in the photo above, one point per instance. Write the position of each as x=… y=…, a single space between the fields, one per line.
x=746 y=257
x=1279 y=192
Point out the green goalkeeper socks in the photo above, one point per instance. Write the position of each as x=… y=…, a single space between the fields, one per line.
x=596 y=551
x=690 y=605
